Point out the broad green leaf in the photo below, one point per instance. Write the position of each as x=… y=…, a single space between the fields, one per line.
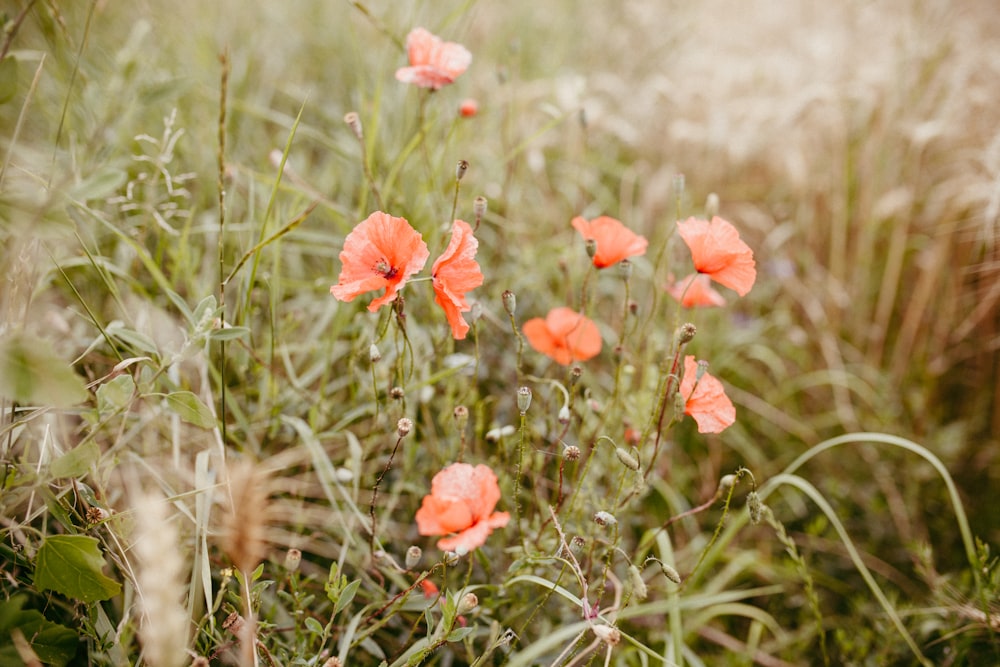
x=346 y=596
x=54 y=644
x=72 y=565
x=77 y=461
x=32 y=374
x=191 y=409
x=8 y=79
x=314 y=626
x=458 y=634
x=115 y=394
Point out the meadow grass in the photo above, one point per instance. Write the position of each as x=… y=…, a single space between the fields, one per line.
x=208 y=459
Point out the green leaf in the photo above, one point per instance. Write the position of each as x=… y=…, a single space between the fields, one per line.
x=229 y=333
x=314 y=626
x=458 y=634
x=191 y=409
x=346 y=596
x=115 y=394
x=135 y=340
x=8 y=79
x=77 y=461
x=32 y=374
x=54 y=644
x=72 y=565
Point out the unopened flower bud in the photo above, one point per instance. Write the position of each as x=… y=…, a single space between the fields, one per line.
x=509 y=302
x=396 y=393
x=373 y=353
x=702 y=369
x=608 y=634
x=625 y=269
x=564 y=415
x=727 y=482
x=571 y=453
x=574 y=374
x=463 y=166
x=603 y=518
x=638 y=583
x=670 y=573
x=461 y=414
x=711 y=205
x=680 y=406
x=413 y=555
x=354 y=122
x=686 y=332
x=292 y=559
x=591 y=248
x=523 y=399
x=627 y=459
x=755 y=507
x=468 y=602
x=404 y=426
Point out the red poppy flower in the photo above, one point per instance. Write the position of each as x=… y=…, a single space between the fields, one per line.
x=705 y=399
x=565 y=335
x=382 y=251
x=468 y=108
x=455 y=273
x=614 y=240
x=696 y=290
x=461 y=504
x=433 y=63
x=718 y=252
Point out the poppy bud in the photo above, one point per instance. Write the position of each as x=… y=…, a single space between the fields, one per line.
x=523 y=399
x=625 y=269
x=755 y=506
x=670 y=573
x=571 y=453
x=638 y=583
x=603 y=518
x=591 y=248
x=680 y=405
x=702 y=369
x=564 y=415
x=292 y=560
x=574 y=374
x=509 y=302
x=413 y=555
x=373 y=353
x=479 y=207
x=686 y=332
x=404 y=426
x=711 y=205
x=463 y=166
x=627 y=459
x=354 y=122
x=577 y=543
x=727 y=482
x=468 y=602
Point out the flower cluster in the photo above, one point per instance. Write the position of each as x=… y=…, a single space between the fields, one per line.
x=384 y=251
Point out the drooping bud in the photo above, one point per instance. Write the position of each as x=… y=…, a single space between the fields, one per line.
x=727 y=482
x=670 y=573
x=638 y=583
x=523 y=399
x=627 y=459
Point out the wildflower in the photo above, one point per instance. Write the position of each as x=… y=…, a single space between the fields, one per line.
x=614 y=240
x=382 y=251
x=461 y=504
x=718 y=252
x=696 y=290
x=468 y=108
x=565 y=335
x=705 y=399
x=455 y=273
x=433 y=62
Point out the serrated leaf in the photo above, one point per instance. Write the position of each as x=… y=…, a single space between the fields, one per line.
x=115 y=394
x=8 y=79
x=346 y=596
x=77 y=461
x=73 y=565
x=191 y=409
x=31 y=373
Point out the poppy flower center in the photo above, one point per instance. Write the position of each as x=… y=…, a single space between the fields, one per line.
x=384 y=269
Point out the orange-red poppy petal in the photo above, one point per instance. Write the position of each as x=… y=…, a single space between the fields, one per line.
x=456 y=272
x=614 y=240
x=705 y=399
x=433 y=63
x=696 y=290
x=718 y=251
x=381 y=251
x=460 y=505
x=564 y=335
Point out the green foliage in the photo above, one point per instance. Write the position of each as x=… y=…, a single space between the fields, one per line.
x=73 y=566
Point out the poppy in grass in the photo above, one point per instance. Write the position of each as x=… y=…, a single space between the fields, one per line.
x=565 y=335
x=456 y=272
x=468 y=108
x=461 y=504
x=696 y=290
x=705 y=399
x=383 y=251
x=718 y=252
x=433 y=62
x=614 y=240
